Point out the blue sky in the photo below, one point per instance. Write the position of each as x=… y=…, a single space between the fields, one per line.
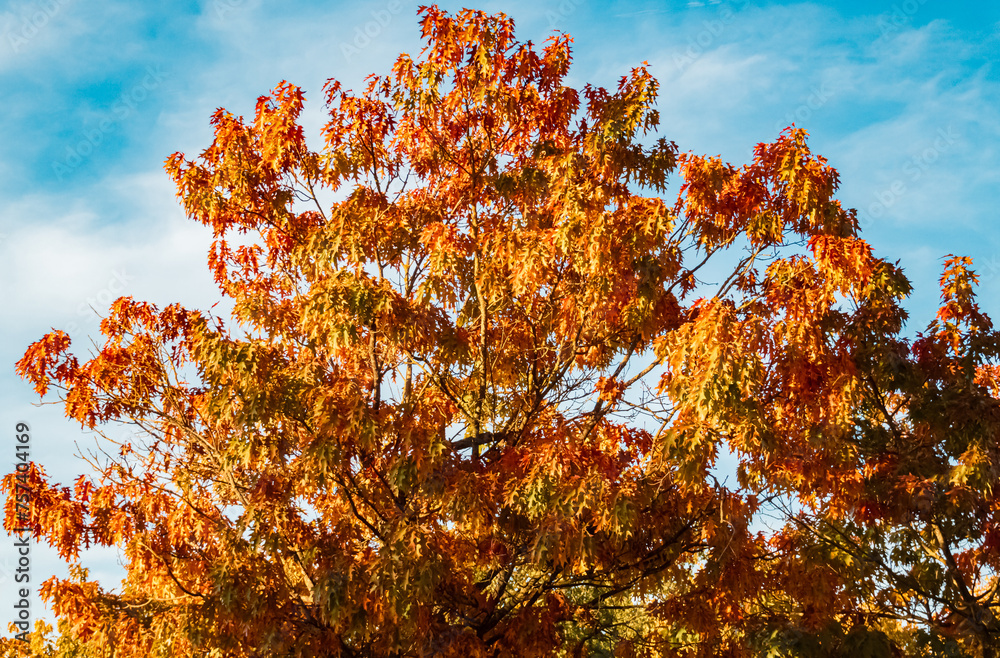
x=902 y=97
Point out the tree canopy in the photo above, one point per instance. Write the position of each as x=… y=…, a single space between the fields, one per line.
x=477 y=380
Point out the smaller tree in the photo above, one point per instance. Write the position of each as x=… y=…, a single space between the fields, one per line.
x=919 y=533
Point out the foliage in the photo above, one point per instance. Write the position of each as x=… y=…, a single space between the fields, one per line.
x=473 y=394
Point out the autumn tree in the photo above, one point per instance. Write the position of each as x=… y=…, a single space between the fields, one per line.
x=475 y=383
x=916 y=532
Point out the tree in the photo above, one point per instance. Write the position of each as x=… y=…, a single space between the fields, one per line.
x=472 y=393
x=918 y=529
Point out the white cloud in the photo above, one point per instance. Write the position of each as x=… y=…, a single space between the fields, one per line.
x=72 y=259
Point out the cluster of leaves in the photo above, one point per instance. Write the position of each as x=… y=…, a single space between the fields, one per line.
x=473 y=393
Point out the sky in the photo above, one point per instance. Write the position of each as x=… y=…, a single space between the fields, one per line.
x=902 y=97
